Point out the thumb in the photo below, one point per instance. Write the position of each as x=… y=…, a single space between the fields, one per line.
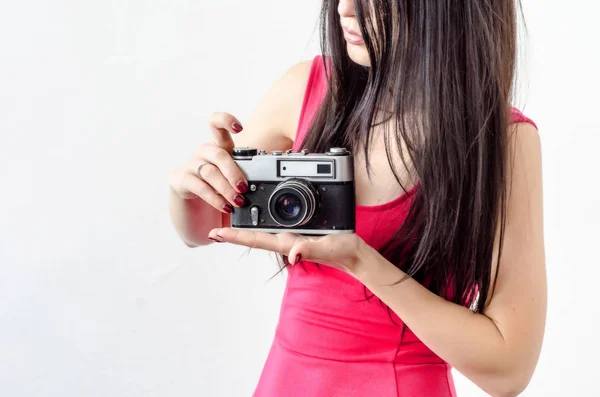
x=314 y=251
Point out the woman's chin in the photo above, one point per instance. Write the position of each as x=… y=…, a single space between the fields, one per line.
x=359 y=54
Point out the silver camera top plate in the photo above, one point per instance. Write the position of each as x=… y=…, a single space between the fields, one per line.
x=337 y=165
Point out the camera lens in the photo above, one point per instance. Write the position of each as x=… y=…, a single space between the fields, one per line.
x=288 y=206
x=293 y=203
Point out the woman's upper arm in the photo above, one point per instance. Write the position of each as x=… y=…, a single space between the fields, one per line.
x=518 y=304
x=272 y=126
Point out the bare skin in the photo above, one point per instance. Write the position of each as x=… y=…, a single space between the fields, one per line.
x=497 y=350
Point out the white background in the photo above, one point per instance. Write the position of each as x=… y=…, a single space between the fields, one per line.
x=100 y=99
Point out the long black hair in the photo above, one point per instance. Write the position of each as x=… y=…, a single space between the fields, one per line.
x=444 y=70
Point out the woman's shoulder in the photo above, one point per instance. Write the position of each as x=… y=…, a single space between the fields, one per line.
x=291 y=91
x=289 y=103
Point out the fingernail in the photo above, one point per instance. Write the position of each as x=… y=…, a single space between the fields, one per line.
x=237 y=127
x=215 y=240
x=239 y=200
x=228 y=208
x=298 y=258
x=242 y=186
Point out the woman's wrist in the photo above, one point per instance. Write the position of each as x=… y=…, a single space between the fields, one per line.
x=370 y=265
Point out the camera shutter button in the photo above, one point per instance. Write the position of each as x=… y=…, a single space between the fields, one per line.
x=244 y=152
x=276 y=152
x=337 y=151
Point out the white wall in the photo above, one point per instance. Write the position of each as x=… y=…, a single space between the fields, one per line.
x=100 y=99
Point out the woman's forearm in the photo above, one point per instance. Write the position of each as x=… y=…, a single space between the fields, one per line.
x=468 y=341
x=193 y=219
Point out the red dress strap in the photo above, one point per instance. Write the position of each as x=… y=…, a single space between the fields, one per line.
x=517 y=117
x=316 y=88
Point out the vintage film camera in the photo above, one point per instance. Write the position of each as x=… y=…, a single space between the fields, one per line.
x=300 y=192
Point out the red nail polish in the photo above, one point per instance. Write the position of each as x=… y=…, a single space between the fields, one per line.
x=239 y=200
x=237 y=126
x=286 y=261
x=242 y=187
x=228 y=208
x=215 y=240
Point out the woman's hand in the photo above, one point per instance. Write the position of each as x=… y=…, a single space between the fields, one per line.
x=342 y=251
x=220 y=182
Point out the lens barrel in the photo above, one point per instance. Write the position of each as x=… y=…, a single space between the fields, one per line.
x=293 y=203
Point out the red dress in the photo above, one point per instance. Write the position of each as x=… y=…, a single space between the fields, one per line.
x=330 y=342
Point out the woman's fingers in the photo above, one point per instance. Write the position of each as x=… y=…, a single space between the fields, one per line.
x=219 y=181
x=211 y=175
x=340 y=251
x=318 y=250
x=226 y=165
x=332 y=250
x=281 y=242
x=192 y=184
x=222 y=126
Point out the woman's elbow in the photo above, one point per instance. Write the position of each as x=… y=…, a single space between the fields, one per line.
x=511 y=385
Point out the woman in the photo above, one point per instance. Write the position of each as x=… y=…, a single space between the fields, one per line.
x=447 y=267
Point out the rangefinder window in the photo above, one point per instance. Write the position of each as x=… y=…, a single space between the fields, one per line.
x=324 y=169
